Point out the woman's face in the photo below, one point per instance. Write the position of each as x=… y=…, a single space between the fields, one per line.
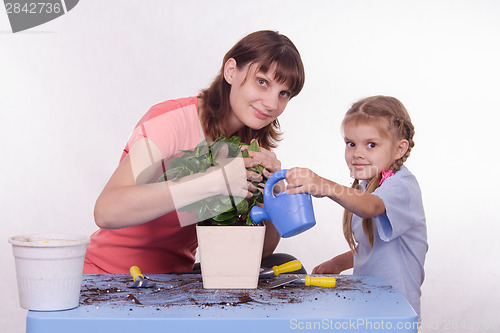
x=256 y=98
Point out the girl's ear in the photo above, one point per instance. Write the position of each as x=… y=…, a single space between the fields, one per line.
x=229 y=70
x=401 y=148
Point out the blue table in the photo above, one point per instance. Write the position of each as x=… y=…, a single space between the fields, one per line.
x=180 y=304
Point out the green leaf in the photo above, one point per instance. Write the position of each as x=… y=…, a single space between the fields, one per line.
x=188 y=154
x=218 y=207
x=200 y=147
x=204 y=151
x=222 y=137
x=197 y=163
x=203 y=212
x=200 y=159
x=214 y=149
x=234 y=150
x=236 y=140
x=231 y=221
x=195 y=206
x=223 y=217
x=225 y=200
x=242 y=207
x=170 y=174
x=178 y=162
x=254 y=146
x=258 y=169
x=182 y=173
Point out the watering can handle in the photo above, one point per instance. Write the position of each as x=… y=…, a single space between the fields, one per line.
x=275 y=177
x=259 y=214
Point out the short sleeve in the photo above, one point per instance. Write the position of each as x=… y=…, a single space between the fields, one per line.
x=400 y=214
x=172 y=126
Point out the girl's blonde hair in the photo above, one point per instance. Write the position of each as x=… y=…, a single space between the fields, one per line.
x=391 y=115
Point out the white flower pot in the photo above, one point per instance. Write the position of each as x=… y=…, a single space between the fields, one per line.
x=230 y=256
x=49 y=270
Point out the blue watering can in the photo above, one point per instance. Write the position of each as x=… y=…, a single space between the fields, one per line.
x=291 y=214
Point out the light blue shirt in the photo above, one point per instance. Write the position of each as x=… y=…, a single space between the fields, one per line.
x=400 y=241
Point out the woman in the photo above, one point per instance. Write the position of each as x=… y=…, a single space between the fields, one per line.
x=137 y=216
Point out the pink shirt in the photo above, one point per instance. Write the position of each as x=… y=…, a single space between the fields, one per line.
x=161 y=245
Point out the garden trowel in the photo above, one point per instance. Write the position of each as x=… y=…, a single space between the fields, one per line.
x=319 y=281
x=139 y=280
x=283 y=268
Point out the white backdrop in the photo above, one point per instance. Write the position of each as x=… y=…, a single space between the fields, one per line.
x=71 y=91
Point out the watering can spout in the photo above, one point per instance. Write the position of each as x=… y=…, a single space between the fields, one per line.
x=258 y=214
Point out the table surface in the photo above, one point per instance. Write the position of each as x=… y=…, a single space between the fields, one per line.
x=179 y=302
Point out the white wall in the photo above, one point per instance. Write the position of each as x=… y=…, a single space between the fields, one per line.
x=72 y=90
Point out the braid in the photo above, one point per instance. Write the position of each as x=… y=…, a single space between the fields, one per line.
x=404 y=128
x=368 y=225
x=347 y=223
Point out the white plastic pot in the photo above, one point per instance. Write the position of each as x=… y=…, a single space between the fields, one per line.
x=49 y=270
x=230 y=256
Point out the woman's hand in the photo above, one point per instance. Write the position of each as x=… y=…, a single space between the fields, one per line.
x=269 y=161
x=266 y=158
x=303 y=180
x=236 y=179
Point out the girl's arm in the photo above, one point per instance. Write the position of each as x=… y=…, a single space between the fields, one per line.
x=361 y=203
x=129 y=199
x=335 y=265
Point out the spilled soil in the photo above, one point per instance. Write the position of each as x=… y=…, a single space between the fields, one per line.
x=172 y=290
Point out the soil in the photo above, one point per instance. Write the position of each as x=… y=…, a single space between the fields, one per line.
x=172 y=291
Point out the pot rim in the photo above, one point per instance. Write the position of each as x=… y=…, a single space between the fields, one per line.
x=48 y=240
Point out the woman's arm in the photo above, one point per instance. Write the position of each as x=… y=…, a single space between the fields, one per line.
x=271 y=240
x=130 y=199
x=361 y=203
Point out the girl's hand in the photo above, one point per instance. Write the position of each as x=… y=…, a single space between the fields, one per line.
x=328 y=267
x=303 y=180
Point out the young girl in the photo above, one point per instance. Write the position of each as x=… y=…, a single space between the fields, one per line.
x=137 y=216
x=384 y=220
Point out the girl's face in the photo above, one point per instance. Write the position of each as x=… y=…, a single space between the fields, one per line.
x=369 y=151
x=256 y=98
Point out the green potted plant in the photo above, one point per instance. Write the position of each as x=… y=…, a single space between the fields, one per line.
x=217 y=210
x=230 y=244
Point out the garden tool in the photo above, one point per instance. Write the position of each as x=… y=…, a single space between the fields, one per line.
x=283 y=268
x=139 y=280
x=319 y=281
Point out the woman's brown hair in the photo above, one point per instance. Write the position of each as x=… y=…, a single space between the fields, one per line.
x=262 y=48
x=394 y=120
